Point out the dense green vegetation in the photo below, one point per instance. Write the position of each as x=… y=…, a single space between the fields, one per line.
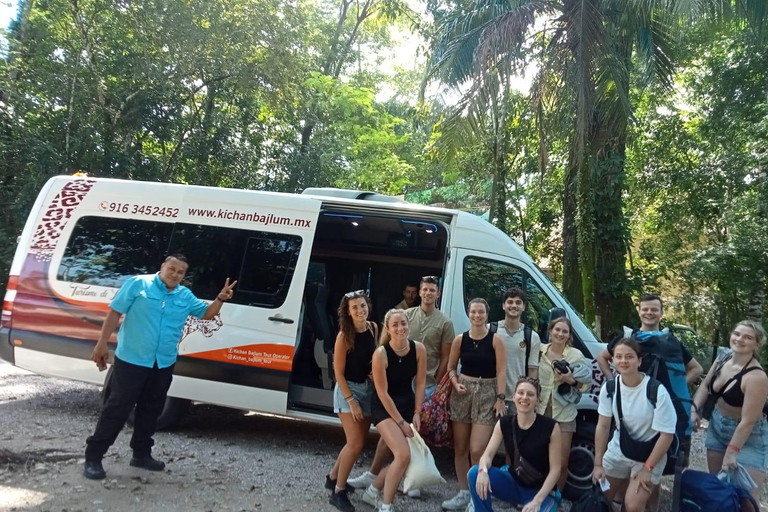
x=636 y=161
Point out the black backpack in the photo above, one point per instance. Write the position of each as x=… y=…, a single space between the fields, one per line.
x=527 y=333
x=592 y=501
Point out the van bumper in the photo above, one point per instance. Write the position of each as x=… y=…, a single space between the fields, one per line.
x=6 y=348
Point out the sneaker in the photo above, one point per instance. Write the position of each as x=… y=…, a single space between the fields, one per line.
x=470 y=507
x=362 y=481
x=381 y=508
x=458 y=502
x=413 y=493
x=94 y=470
x=341 y=501
x=330 y=484
x=148 y=463
x=372 y=497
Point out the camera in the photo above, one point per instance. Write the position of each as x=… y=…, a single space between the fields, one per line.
x=561 y=366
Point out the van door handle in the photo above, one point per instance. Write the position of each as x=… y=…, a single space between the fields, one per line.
x=280 y=319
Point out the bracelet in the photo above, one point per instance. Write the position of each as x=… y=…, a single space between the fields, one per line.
x=648 y=466
x=348 y=398
x=401 y=422
x=219 y=299
x=481 y=469
x=734 y=448
x=597 y=465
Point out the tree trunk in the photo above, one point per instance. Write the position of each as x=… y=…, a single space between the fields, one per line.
x=612 y=299
x=586 y=237
x=572 y=288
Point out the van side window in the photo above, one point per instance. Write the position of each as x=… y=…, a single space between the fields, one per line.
x=106 y=252
x=262 y=263
x=488 y=279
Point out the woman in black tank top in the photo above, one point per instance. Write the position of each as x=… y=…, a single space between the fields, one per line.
x=738 y=430
x=353 y=392
x=478 y=394
x=397 y=364
x=532 y=442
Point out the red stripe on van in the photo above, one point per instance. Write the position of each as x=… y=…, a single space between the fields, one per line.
x=10 y=297
x=262 y=355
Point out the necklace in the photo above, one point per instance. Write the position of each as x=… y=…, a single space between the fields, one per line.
x=403 y=352
x=476 y=343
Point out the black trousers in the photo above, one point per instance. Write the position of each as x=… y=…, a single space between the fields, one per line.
x=130 y=385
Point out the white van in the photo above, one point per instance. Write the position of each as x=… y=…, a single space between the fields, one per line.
x=293 y=257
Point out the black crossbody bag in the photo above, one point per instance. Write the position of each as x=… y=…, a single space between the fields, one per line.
x=524 y=471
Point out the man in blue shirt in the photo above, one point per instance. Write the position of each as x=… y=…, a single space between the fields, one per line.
x=156 y=308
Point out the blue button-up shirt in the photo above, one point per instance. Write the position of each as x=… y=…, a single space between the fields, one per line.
x=154 y=318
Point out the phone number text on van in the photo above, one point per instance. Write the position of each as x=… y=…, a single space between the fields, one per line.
x=139 y=209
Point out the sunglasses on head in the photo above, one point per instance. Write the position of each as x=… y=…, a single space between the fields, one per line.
x=358 y=293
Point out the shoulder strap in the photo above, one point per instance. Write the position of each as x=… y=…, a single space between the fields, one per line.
x=375 y=329
x=652 y=391
x=527 y=333
x=610 y=387
x=493 y=326
x=618 y=402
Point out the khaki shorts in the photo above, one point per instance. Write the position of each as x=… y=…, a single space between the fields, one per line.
x=565 y=426
x=476 y=405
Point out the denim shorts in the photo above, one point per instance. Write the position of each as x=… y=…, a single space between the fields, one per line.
x=361 y=391
x=754 y=453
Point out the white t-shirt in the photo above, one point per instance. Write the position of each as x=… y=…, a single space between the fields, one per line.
x=516 y=354
x=640 y=418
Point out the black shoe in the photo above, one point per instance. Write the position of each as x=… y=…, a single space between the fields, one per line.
x=341 y=501
x=94 y=470
x=148 y=463
x=330 y=484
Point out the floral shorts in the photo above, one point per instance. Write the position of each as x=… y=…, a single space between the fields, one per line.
x=476 y=405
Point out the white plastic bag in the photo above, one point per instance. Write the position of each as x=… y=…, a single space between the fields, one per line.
x=421 y=471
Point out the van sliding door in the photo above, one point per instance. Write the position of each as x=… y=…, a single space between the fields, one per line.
x=263 y=241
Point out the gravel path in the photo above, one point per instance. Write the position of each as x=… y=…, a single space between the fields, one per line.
x=217 y=460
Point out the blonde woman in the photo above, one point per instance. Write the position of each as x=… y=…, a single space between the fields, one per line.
x=396 y=363
x=556 y=376
x=353 y=392
x=738 y=431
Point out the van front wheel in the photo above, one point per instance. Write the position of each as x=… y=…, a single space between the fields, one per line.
x=580 y=466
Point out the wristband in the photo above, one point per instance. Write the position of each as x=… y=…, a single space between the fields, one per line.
x=734 y=448
x=648 y=466
x=348 y=398
x=219 y=299
x=481 y=469
x=401 y=422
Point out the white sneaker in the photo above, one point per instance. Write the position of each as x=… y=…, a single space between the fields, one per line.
x=413 y=493
x=470 y=507
x=372 y=498
x=390 y=509
x=362 y=481
x=458 y=502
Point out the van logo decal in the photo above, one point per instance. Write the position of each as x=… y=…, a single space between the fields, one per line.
x=56 y=216
x=206 y=327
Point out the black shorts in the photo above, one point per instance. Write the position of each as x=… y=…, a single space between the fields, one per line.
x=405 y=406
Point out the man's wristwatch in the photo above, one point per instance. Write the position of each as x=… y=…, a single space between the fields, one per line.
x=501 y=396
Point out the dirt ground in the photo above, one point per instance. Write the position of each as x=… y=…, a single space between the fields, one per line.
x=217 y=460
